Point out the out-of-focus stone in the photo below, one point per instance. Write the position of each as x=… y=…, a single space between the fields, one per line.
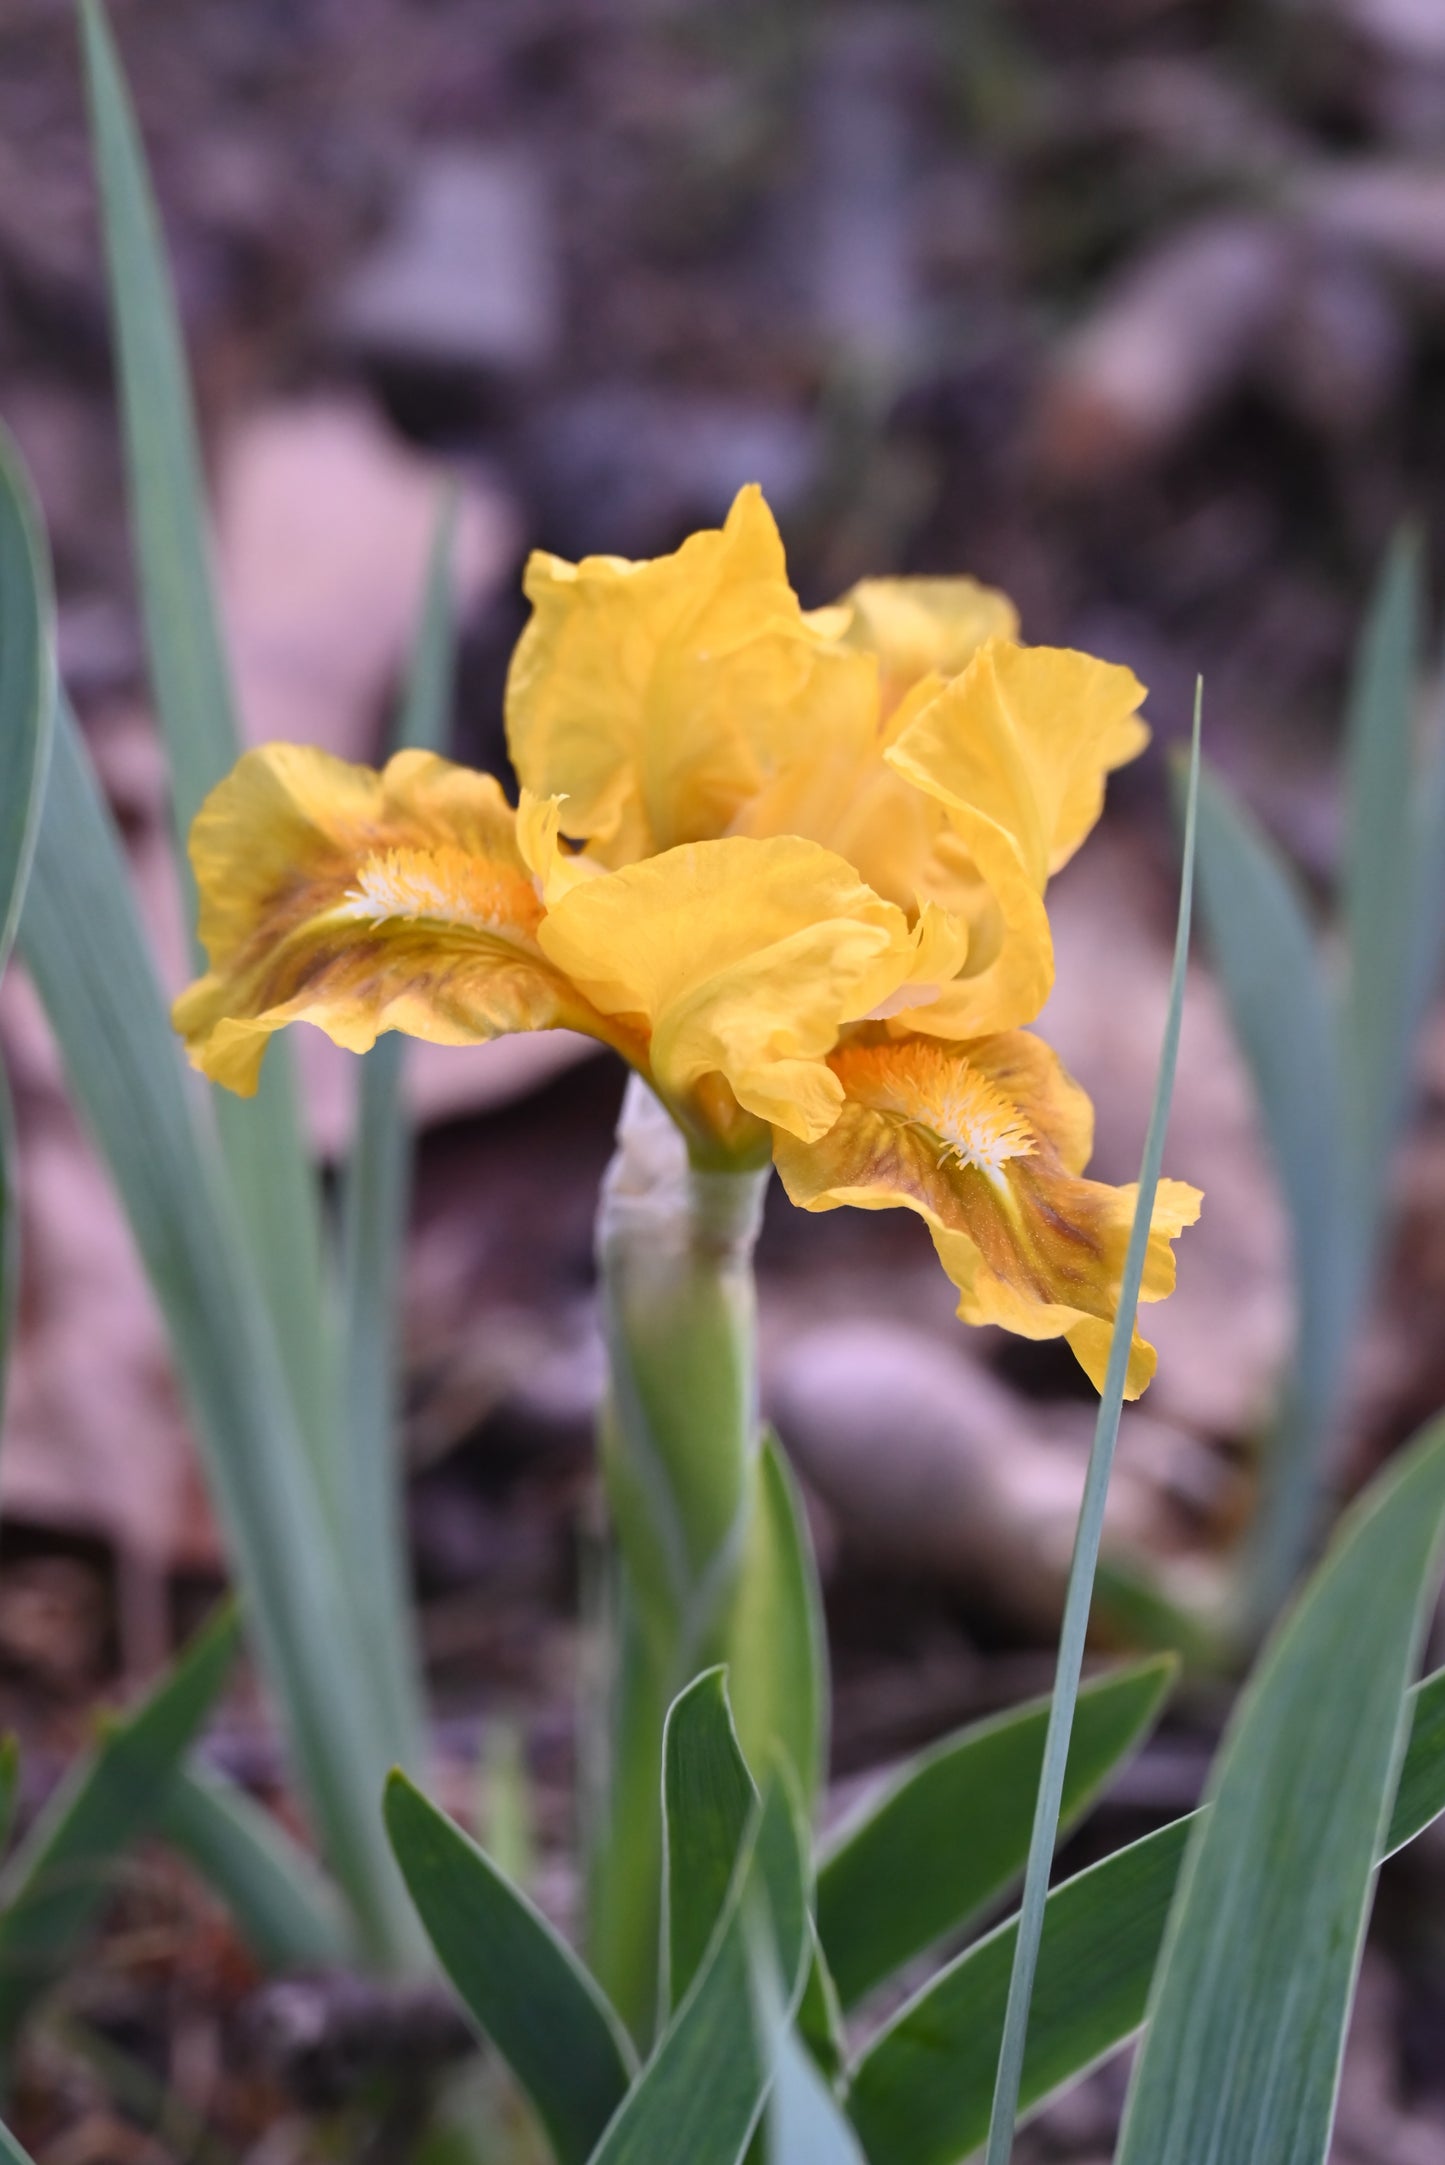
x=629 y=469
x=926 y=1460
x=467 y=276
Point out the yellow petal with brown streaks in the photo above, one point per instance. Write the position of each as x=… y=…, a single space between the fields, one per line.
x=362 y=902
x=987 y=1142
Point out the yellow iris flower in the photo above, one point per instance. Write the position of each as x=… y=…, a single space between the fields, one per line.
x=806 y=900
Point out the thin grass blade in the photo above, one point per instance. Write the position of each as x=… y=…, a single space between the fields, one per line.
x=286 y=1910
x=56 y=1882
x=950 y=1830
x=1252 y=1994
x=369 y=1503
x=262 y=1137
x=528 y=1992
x=10 y=2150
x=85 y=950
x=1091 y=1522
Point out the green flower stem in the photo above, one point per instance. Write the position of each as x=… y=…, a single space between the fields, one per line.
x=679 y=1444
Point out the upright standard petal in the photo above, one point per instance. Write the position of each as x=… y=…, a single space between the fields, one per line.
x=1026 y=736
x=987 y=1141
x=656 y=698
x=744 y=960
x=920 y=627
x=363 y=902
x=1014 y=752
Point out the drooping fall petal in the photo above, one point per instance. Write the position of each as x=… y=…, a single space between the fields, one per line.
x=656 y=698
x=987 y=1141
x=362 y=902
x=743 y=959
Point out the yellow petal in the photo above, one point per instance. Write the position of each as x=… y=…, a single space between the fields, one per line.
x=920 y=627
x=656 y=698
x=745 y=959
x=362 y=902
x=987 y=1142
x=1025 y=737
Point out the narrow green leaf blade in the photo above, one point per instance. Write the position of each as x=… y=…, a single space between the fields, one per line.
x=1079 y=1593
x=369 y=1504
x=708 y=1801
x=777 y=1648
x=27 y=668
x=10 y=2150
x=57 y=1880
x=286 y=1909
x=83 y=944
x=702 y=2092
x=1420 y=1793
x=806 y=2124
x=1378 y=868
x=1268 y=964
x=9 y=1785
x=921 y=2090
x=1253 y=1990
x=262 y=1137
x=9 y=1236
x=950 y=1831
x=523 y=1985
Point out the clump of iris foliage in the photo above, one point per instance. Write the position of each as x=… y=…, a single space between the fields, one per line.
x=792 y=868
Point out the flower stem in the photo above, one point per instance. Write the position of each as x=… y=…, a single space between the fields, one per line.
x=679 y=1444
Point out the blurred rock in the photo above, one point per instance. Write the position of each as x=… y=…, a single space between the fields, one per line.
x=467 y=277
x=1171 y=335
x=1392 y=212
x=1106 y=1020
x=926 y=1460
x=627 y=469
x=323 y=525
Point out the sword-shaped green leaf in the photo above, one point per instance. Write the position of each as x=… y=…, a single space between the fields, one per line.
x=950 y=1830
x=702 y=2093
x=708 y=1800
x=369 y=1504
x=543 y=2011
x=1253 y=1989
x=83 y=945
x=262 y=1137
x=60 y=1876
x=921 y=2089
x=286 y=1910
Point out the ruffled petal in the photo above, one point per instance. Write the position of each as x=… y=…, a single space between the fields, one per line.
x=744 y=959
x=1025 y=737
x=656 y=698
x=987 y=1142
x=362 y=902
x=919 y=627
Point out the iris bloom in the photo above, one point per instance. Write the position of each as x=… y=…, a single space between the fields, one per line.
x=790 y=865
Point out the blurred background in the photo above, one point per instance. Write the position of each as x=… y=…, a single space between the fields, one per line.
x=1135 y=308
